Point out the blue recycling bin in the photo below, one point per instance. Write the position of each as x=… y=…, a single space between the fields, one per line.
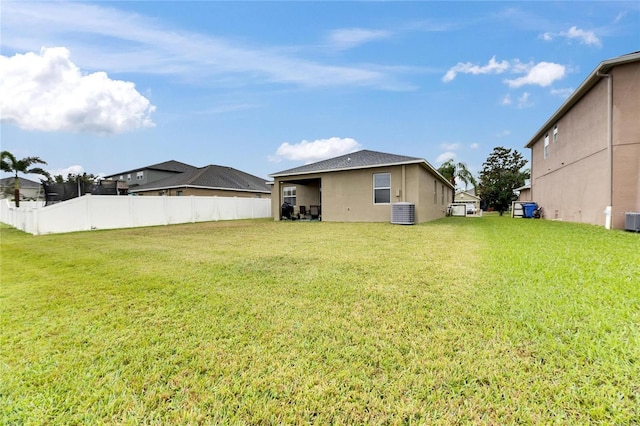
x=529 y=209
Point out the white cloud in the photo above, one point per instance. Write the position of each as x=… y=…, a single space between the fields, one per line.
x=446 y=156
x=492 y=67
x=506 y=100
x=450 y=146
x=563 y=93
x=574 y=33
x=584 y=37
x=352 y=37
x=133 y=43
x=320 y=149
x=71 y=170
x=523 y=101
x=48 y=92
x=541 y=74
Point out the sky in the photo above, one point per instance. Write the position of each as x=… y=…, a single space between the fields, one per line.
x=105 y=87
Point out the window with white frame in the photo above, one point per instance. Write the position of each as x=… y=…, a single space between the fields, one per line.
x=555 y=133
x=139 y=175
x=129 y=177
x=546 y=145
x=289 y=195
x=381 y=188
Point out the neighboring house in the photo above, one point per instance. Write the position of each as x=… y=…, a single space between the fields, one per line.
x=148 y=174
x=29 y=190
x=207 y=181
x=524 y=193
x=362 y=186
x=585 y=160
x=470 y=198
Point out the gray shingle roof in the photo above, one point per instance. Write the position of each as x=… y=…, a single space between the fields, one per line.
x=211 y=177
x=166 y=166
x=355 y=160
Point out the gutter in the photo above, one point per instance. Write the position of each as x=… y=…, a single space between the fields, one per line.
x=161 y=188
x=586 y=85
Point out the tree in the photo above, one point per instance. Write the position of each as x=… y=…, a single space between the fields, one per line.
x=501 y=174
x=9 y=164
x=74 y=178
x=453 y=172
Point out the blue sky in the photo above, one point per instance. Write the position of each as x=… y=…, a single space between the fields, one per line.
x=104 y=87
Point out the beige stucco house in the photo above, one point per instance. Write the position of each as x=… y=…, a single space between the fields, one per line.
x=29 y=190
x=585 y=159
x=362 y=187
x=468 y=197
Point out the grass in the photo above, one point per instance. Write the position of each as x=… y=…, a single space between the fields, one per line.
x=482 y=321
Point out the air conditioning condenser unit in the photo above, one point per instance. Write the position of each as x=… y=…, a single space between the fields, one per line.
x=403 y=213
x=632 y=221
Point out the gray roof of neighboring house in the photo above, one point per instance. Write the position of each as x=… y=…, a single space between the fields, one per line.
x=586 y=85
x=471 y=192
x=166 y=166
x=24 y=183
x=522 y=188
x=209 y=177
x=356 y=160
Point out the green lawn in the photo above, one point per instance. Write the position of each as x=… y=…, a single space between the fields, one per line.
x=484 y=321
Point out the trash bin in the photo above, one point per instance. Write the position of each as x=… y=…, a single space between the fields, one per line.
x=528 y=209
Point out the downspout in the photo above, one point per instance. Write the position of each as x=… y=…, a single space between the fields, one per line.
x=404 y=182
x=609 y=209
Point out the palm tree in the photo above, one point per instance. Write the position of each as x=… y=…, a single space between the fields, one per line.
x=457 y=171
x=9 y=163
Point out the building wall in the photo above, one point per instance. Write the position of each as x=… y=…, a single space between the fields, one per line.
x=575 y=181
x=525 y=195
x=347 y=196
x=626 y=142
x=430 y=204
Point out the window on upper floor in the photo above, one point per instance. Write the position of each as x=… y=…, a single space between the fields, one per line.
x=546 y=145
x=139 y=175
x=555 y=133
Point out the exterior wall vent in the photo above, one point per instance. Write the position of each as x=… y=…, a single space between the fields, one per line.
x=632 y=221
x=403 y=213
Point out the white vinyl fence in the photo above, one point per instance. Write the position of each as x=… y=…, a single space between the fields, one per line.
x=111 y=211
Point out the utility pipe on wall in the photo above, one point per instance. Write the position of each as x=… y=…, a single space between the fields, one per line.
x=609 y=209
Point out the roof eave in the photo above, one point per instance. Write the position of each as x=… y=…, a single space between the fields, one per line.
x=586 y=85
x=370 y=166
x=162 y=188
